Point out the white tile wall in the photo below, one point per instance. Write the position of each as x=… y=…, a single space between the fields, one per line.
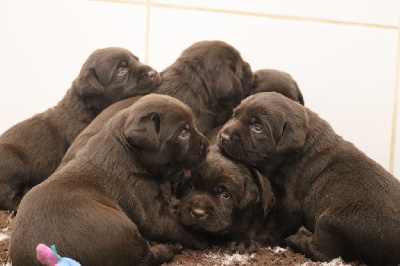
x=44 y=44
x=382 y=12
x=342 y=53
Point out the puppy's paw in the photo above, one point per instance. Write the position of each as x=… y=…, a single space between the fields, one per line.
x=304 y=231
x=163 y=252
x=298 y=240
x=178 y=248
x=246 y=246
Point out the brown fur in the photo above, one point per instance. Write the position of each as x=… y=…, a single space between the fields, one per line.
x=331 y=199
x=226 y=198
x=94 y=127
x=99 y=206
x=211 y=78
x=31 y=150
x=268 y=80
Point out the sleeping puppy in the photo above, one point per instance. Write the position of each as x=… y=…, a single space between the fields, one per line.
x=267 y=80
x=211 y=78
x=31 y=150
x=331 y=199
x=225 y=198
x=99 y=208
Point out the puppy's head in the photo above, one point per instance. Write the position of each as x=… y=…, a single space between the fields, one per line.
x=267 y=80
x=218 y=196
x=161 y=131
x=223 y=71
x=112 y=74
x=265 y=129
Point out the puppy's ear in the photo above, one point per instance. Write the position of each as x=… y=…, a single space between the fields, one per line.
x=143 y=132
x=225 y=84
x=250 y=194
x=248 y=79
x=264 y=187
x=291 y=138
x=88 y=84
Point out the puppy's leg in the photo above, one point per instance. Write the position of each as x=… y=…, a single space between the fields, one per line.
x=324 y=245
x=280 y=225
x=14 y=178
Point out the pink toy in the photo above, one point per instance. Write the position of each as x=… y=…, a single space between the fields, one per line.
x=50 y=257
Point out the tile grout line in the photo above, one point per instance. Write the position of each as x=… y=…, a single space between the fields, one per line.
x=279 y=17
x=395 y=107
x=251 y=14
x=146 y=60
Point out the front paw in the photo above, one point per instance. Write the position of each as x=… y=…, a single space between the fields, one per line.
x=297 y=240
x=245 y=246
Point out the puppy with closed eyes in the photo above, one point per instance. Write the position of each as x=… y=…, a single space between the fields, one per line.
x=225 y=198
x=102 y=206
x=211 y=78
x=331 y=199
x=268 y=80
x=31 y=150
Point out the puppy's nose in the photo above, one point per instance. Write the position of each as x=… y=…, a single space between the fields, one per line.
x=225 y=138
x=204 y=148
x=152 y=74
x=198 y=213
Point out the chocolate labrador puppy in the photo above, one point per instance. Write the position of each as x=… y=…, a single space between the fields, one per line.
x=331 y=199
x=99 y=206
x=267 y=80
x=226 y=198
x=211 y=78
x=31 y=150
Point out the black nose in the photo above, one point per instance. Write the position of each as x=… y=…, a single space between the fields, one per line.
x=198 y=213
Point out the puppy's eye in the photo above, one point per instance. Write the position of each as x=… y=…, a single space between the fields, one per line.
x=184 y=134
x=192 y=187
x=257 y=128
x=121 y=71
x=225 y=195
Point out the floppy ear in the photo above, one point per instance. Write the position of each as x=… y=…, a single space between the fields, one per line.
x=88 y=84
x=248 y=79
x=224 y=84
x=250 y=194
x=291 y=138
x=264 y=187
x=143 y=132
